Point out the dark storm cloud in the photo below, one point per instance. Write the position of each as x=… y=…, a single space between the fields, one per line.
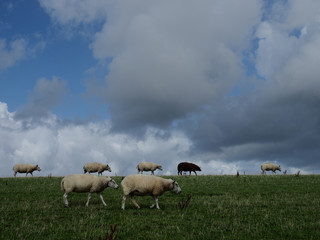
x=162 y=70
x=47 y=94
x=271 y=124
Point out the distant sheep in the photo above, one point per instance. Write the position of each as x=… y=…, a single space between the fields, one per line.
x=188 y=167
x=148 y=166
x=270 y=167
x=142 y=185
x=25 y=168
x=81 y=183
x=96 y=167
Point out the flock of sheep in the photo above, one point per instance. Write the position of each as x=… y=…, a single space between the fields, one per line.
x=132 y=185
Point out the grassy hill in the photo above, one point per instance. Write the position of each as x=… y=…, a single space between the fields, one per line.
x=221 y=207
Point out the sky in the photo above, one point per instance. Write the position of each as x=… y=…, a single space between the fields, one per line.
x=227 y=85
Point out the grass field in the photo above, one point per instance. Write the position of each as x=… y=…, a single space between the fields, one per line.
x=221 y=207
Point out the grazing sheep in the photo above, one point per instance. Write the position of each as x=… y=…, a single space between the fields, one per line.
x=148 y=166
x=96 y=167
x=188 y=167
x=270 y=167
x=25 y=168
x=81 y=183
x=142 y=185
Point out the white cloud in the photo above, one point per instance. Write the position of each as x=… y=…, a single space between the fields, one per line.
x=64 y=149
x=275 y=48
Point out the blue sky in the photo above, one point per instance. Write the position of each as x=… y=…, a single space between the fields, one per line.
x=63 y=55
x=224 y=84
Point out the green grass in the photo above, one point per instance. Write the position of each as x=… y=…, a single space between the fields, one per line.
x=221 y=207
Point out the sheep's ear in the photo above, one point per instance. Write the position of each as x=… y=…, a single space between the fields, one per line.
x=37 y=165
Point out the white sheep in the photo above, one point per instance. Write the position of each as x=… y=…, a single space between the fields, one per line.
x=81 y=183
x=148 y=166
x=142 y=185
x=96 y=167
x=25 y=168
x=270 y=167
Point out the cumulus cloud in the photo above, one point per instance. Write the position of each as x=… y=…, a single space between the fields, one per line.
x=165 y=68
x=62 y=149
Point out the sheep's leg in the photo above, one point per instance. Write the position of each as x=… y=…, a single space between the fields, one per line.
x=65 y=198
x=195 y=173
x=134 y=201
x=31 y=174
x=155 y=203
x=89 y=197
x=15 y=173
x=102 y=199
x=124 y=198
x=152 y=173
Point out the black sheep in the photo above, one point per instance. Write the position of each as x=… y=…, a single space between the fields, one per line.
x=186 y=166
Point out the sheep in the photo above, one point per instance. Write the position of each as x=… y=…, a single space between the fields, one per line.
x=186 y=166
x=81 y=183
x=142 y=185
x=148 y=166
x=96 y=167
x=270 y=167
x=25 y=168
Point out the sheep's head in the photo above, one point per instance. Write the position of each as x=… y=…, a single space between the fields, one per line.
x=112 y=183
x=38 y=168
x=159 y=167
x=176 y=187
x=106 y=167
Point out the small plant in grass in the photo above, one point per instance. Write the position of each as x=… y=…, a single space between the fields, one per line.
x=110 y=236
x=184 y=203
